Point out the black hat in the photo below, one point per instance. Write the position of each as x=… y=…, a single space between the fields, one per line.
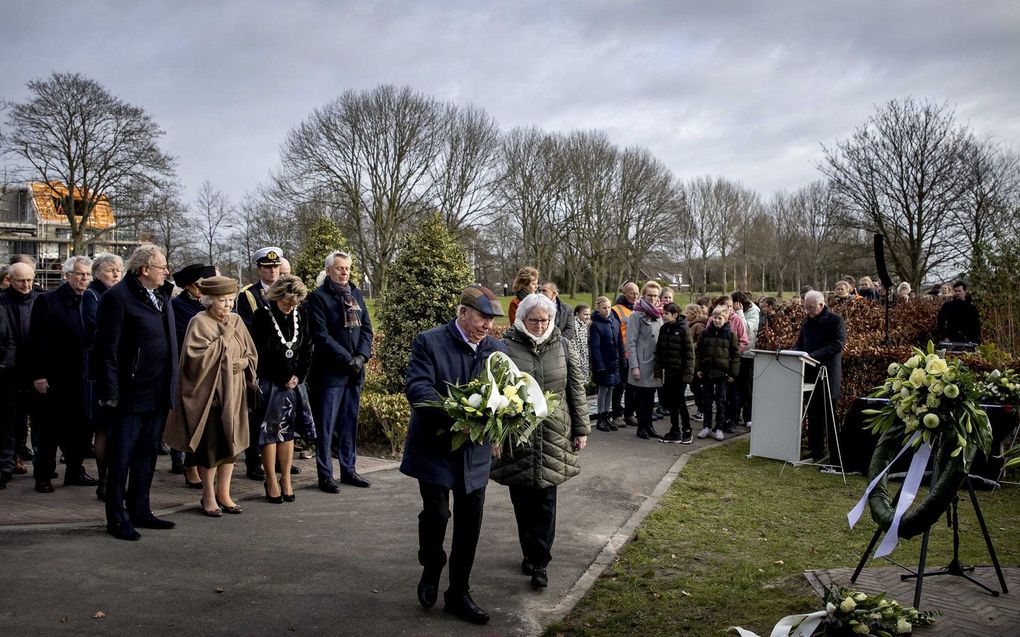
x=191 y=273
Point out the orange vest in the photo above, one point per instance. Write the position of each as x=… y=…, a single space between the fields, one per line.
x=622 y=312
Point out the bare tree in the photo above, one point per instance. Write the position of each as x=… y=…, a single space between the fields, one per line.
x=819 y=213
x=166 y=218
x=368 y=158
x=648 y=198
x=527 y=190
x=993 y=184
x=85 y=144
x=211 y=218
x=700 y=202
x=465 y=169
x=900 y=174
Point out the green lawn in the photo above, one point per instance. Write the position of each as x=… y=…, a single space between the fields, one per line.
x=729 y=542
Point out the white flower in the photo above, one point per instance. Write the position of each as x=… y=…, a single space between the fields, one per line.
x=949 y=376
x=860 y=597
x=931 y=421
x=951 y=391
x=830 y=608
x=897 y=385
x=504 y=402
x=862 y=629
x=936 y=366
x=904 y=627
x=937 y=387
x=912 y=362
x=848 y=605
x=917 y=378
x=475 y=400
x=912 y=422
x=932 y=401
x=920 y=409
x=893 y=368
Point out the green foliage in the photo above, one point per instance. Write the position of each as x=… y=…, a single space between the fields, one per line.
x=423 y=291
x=384 y=419
x=995 y=292
x=323 y=236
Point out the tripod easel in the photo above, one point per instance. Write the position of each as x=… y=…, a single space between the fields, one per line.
x=955 y=567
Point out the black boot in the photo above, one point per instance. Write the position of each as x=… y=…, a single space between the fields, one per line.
x=603 y=423
x=650 y=430
x=609 y=421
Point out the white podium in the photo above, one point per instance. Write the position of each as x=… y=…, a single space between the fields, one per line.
x=777 y=405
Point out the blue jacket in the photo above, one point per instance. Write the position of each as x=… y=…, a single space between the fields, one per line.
x=335 y=346
x=606 y=349
x=135 y=348
x=439 y=356
x=823 y=338
x=185 y=309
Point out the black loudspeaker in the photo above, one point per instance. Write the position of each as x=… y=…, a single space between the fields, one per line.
x=883 y=273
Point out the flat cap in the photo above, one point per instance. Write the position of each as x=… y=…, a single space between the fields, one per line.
x=482 y=299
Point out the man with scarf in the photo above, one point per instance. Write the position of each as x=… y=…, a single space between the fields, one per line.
x=342 y=338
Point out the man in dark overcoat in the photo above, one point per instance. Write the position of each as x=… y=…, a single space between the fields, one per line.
x=7 y=357
x=452 y=353
x=136 y=352
x=57 y=346
x=342 y=339
x=822 y=336
x=959 y=320
x=17 y=300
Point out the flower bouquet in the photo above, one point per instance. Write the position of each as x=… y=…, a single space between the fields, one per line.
x=1000 y=387
x=851 y=613
x=502 y=405
x=933 y=396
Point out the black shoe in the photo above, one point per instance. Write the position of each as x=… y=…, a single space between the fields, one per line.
x=461 y=605
x=539 y=579
x=123 y=531
x=44 y=487
x=688 y=437
x=295 y=470
x=192 y=485
x=289 y=498
x=428 y=587
x=642 y=433
x=257 y=474
x=673 y=435
x=527 y=566
x=603 y=426
x=354 y=479
x=4 y=479
x=272 y=499
x=152 y=522
x=650 y=430
x=329 y=486
x=101 y=493
x=82 y=479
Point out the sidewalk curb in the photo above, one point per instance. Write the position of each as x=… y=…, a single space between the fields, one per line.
x=622 y=535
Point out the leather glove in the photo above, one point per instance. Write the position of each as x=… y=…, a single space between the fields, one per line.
x=357 y=364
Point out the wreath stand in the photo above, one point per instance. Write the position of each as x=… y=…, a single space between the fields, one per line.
x=955 y=567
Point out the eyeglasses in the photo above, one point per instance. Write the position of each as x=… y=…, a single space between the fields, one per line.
x=537 y=322
x=165 y=267
x=77 y=274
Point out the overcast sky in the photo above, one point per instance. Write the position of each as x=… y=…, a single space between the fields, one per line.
x=746 y=90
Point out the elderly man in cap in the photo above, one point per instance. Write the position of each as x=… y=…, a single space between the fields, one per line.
x=136 y=354
x=342 y=337
x=452 y=353
x=186 y=305
x=17 y=300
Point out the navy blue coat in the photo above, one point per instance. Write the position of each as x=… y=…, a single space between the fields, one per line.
x=8 y=349
x=823 y=338
x=438 y=356
x=606 y=349
x=185 y=309
x=19 y=311
x=136 y=348
x=335 y=346
x=57 y=342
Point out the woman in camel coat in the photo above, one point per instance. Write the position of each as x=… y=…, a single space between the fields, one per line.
x=217 y=369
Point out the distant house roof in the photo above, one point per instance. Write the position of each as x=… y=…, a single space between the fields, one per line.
x=46 y=194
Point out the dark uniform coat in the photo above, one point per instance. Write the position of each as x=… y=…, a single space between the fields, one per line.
x=823 y=338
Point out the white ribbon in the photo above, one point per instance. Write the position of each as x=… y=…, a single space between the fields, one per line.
x=907 y=495
x=495 y=400
x=808 y=623
x=858 y=510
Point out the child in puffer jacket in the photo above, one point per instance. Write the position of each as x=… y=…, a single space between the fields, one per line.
x=717 y=364
x=674 y=366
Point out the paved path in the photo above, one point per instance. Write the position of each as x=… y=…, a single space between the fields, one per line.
x=327 y=564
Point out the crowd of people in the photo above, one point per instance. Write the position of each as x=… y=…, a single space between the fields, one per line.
x=120 y=361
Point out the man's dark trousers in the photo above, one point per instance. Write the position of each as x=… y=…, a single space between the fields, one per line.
x=61 y=423
x=133 y=441
x=336 y=411
x=467 y=524
x=535 y=511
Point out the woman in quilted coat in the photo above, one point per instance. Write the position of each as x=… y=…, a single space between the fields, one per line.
x=533 y=472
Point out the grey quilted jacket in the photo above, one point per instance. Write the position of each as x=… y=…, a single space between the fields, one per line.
x=548 y=459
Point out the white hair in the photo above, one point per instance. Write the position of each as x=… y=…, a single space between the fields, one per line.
x=537 y=301
x=103 y=259
x=71 y=261
x=816 y=296
x=337 y=254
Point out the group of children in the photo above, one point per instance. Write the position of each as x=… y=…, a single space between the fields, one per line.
x=691 y=350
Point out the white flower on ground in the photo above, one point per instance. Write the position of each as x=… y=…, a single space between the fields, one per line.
x=904 y=627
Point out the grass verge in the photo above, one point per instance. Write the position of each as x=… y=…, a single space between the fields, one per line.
x=730 y=541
